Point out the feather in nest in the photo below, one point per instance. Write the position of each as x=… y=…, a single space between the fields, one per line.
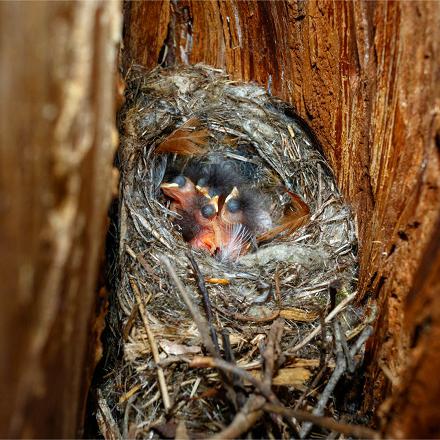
x=188 y=139
x=292 y=220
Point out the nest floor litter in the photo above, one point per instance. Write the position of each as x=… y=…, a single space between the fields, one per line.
x=201 y=346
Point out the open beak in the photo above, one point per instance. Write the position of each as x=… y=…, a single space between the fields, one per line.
x=203 y=190
x=181 y=195
x=172 y=190
x=206 y=241
x=232 y=195
x=169 y=185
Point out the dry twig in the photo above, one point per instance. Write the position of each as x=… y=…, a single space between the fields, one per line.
x=272 y=350
x=324 y=422
x=339 y=370
x=244 y=419
x=200 y=321
x=153 y=345
x=341 y=306
x=206 y=300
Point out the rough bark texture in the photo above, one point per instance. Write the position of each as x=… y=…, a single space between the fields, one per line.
x=57 y=143
x=366 y=78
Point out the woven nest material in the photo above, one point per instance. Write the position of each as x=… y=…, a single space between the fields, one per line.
x=288 y=280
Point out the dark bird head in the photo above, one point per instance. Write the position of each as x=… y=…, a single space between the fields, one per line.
x=244 y=214
x=246 y=206
x=216 y=176
x=205 y=216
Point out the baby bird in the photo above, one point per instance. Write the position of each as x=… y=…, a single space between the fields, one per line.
x=226 y=232
x=216 y=176
x=195 y=212
x=182 y=191
x=243 y=216
x=219 y=210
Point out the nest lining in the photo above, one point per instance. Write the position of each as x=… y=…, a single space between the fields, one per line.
x=288 y=277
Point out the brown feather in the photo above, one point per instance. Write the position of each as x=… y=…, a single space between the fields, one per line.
x=230 y=140
x=186 y=140
x=291 y=221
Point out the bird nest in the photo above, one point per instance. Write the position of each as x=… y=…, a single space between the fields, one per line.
x=204 y=345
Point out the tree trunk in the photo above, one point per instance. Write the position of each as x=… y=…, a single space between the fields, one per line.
x=57 y=143
x=365 y=76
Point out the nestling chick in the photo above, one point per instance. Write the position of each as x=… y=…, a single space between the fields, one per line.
x=218 y=177
x=243 y=215
x=195 y=212
x=219 y=210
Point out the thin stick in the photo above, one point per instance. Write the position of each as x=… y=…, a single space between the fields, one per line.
x=210 y=362
x=263 y=388
x=341 y=335
x=339 y=370
x=227 y=348
x=243 y=420
x=325 y=422
x=310 y=387
x=272 y=350
x=201 y=324
x=206 y=300
x=142 y=261
x=328 y=318
x=229 y=356
x=323 y=348
x=271 y=356
x=200 y=321
x=277 y=408
x=154 y=349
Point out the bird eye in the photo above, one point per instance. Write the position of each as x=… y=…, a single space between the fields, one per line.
x=233 y=206
x=208 y=211
x=203 y=181
x=180 y=180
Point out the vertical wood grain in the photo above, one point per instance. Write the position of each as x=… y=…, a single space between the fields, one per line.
x=57 y=143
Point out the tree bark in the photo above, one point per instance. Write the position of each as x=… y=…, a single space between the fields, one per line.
x=57 y=90
x=365 y=76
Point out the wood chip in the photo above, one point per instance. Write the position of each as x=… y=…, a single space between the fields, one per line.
x=174 y=349
x=222 y=281
x=295 y=314
x=129 y=393
x=294 y=377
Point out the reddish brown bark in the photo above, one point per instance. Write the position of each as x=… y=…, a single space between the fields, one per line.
x=57 y=143
x=413 y=411
x=365 y=76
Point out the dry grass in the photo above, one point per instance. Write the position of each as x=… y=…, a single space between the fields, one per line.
x=288 y=276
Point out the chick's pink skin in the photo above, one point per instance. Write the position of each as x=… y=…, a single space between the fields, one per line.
x=208 y=236
x=231 y=243
x=183 y=197
x=184 y=200
x=215 y=233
